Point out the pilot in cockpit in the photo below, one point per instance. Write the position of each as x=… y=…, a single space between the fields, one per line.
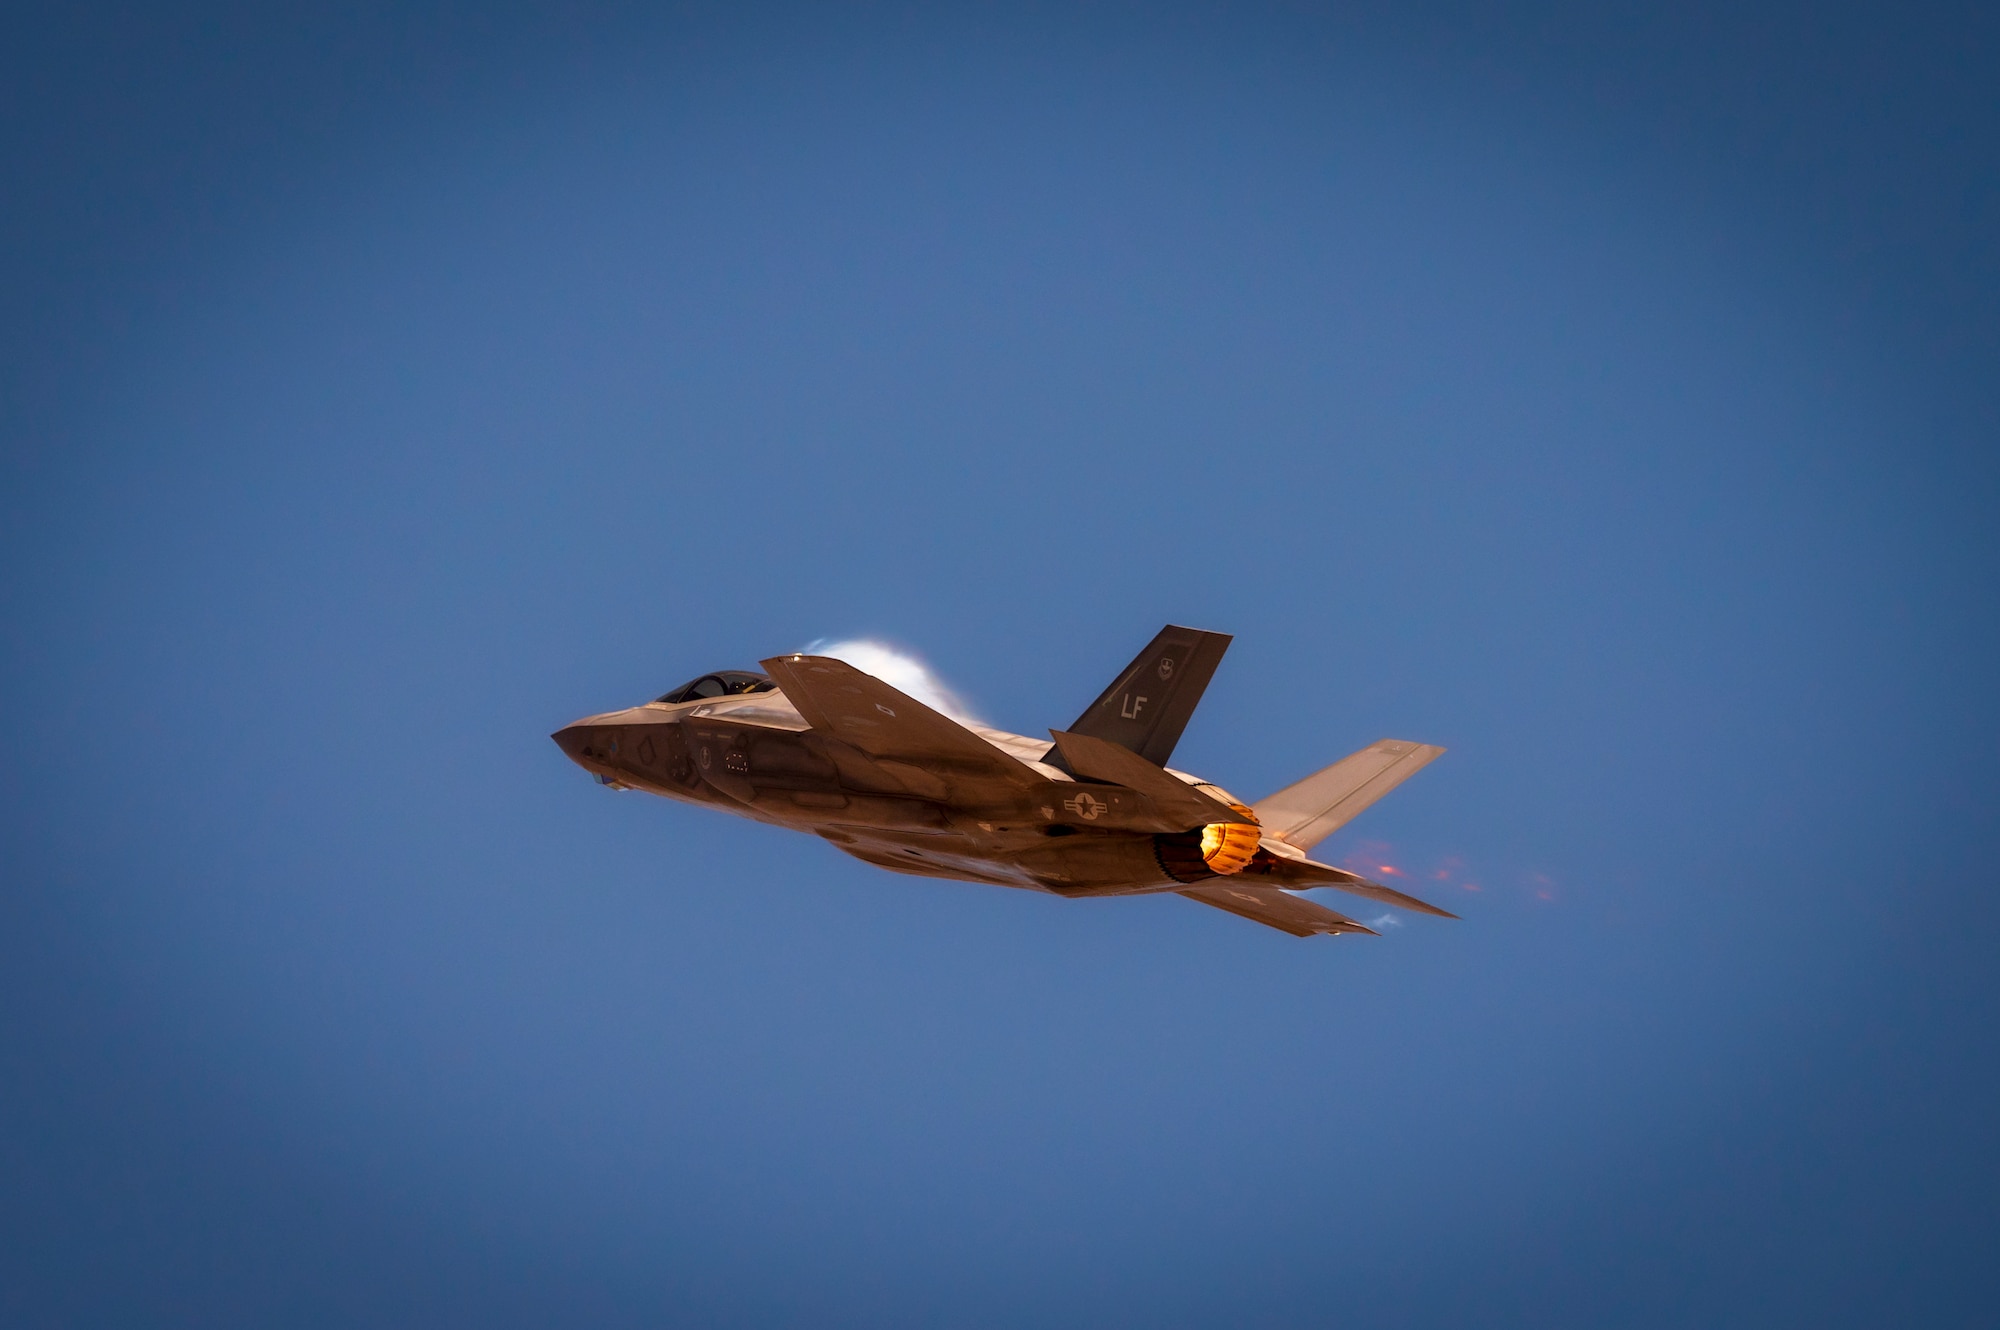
x=722 y=683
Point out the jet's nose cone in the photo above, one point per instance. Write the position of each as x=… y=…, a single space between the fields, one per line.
x=572 y=738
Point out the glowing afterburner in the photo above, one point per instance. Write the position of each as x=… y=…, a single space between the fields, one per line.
x=1228 y=847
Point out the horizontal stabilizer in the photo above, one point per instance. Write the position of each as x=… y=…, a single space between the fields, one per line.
x=1275 y=908
x=1100 y=759
x=1297 y=871
x=860 y=710
x=1307 y=813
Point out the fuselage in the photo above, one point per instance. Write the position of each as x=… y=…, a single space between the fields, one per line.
x=817 y=744
x=754 y=755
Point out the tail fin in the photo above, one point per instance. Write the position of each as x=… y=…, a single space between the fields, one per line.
x=1307 y=813
x=1149 y=704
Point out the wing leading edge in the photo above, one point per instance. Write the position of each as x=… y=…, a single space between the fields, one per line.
x=890 y=726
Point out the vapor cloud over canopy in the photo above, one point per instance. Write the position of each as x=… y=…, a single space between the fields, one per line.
x=898 y=669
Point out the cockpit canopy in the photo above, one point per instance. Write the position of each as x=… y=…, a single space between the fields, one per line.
x=722 y=683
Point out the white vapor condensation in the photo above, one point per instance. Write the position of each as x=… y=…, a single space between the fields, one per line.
x=1386 y=921
x=900 y=670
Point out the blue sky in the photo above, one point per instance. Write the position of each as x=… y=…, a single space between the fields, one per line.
x=1605 y=396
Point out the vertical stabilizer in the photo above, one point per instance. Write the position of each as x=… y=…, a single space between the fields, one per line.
x=1148 y=705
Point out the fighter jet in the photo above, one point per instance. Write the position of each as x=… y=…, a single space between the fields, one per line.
x=815 y=744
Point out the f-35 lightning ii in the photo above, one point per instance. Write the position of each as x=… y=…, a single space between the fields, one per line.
x=815 y=744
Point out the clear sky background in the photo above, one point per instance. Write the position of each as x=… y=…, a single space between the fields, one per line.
x=1606 y=393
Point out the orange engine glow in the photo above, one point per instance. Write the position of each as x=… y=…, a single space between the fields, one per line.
x=1228 y=847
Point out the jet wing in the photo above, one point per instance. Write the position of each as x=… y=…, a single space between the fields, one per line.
x=1307 y=813
x=895 y=729
x=1275 y=908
